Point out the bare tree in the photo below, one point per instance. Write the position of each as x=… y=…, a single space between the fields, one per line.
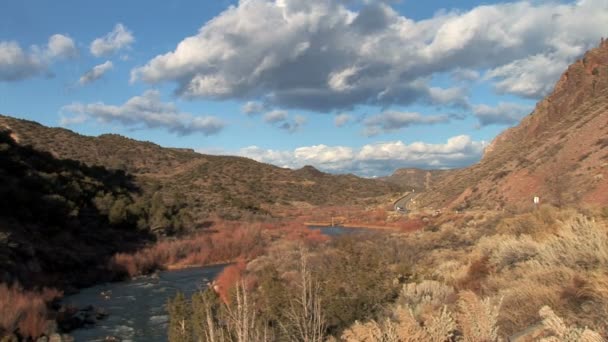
x=305 y=321
x=243 y=323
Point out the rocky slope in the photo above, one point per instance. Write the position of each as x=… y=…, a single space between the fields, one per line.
x=559 y=152
x=417 y=179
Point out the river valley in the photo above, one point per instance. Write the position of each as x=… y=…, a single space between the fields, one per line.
x=137 y=308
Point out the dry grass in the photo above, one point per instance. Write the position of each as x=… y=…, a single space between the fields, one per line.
x=475 y=320
x=547 y=257
x=227 y=242
x=225 y=245
x=24 y=312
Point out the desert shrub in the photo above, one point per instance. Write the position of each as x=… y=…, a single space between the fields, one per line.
x=605 y=212
x=425 y=297
x=475 y=321
x=356 y=282
x=477 y=317
x=403 y=328
x=24 y=312
x=580 y=242
x=561 y=332
x=223 y=246
x=451 y=272
x=541 y=222
x=477 y=270
x=506 y=251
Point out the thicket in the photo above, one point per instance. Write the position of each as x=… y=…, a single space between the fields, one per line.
x=59 y=215
x=24 y=312
x=294 y=292
x=477 y=276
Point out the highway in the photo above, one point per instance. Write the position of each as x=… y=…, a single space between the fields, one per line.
x=404 y=202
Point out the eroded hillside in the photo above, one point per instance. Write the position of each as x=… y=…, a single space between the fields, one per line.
x=559 y=152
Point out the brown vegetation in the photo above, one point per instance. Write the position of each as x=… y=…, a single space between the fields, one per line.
x=24 y=312
x=225 y=245
x=476 y=276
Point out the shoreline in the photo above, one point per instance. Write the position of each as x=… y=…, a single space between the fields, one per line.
x=348 y=225
x=184 y=267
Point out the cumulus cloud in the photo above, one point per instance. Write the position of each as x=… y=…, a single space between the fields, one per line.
x=17 y=64
x=61 y=46
x=146 y=110
x=282 y=120
x=374 y=159
x=253 y=108
x=530 y=77
x=294 y=125
x=118 y=39
x=391 y=121
x=276 y=116
x=504 y=113
x=324 y=55
x=342 y=119
x=96 y=73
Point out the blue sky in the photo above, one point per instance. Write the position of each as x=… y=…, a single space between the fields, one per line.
x=344 y=85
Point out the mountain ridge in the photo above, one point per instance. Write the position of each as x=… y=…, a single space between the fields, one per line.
x=226 y=185
x=558 y=152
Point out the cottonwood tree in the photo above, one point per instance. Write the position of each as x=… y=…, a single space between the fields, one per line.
x=304 y=317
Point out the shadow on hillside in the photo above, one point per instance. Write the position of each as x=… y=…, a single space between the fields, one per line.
x=61 y=220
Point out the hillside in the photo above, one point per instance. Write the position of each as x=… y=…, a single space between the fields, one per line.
x=61 y=219
x=417 y=179
x=228 y=186
x=559 y=152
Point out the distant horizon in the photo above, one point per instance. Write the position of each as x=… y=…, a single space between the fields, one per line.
x=232 y=155
x=361 y=87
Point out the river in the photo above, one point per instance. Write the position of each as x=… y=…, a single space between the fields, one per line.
x=137 y=308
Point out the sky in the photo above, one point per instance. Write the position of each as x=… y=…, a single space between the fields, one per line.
x=348 y=86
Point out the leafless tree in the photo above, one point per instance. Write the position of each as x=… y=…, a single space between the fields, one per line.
x=304 y=318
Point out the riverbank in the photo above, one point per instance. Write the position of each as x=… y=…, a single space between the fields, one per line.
x=350 y=225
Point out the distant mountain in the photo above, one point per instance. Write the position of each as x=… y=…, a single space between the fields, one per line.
x=205 y=184
x=417 y=179
x=559 y=152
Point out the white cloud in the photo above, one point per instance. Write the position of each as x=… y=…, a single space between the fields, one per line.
x=61 y=46
x=118 y=39
x=504 y=113
x=391 y=121
x=73 y=120
x=342 y=119
x=276 y=116
x=374 y=159
x=323 y=55
x=282 y=120
x=96 y=73
x=530 y=77
x=294 y=125
x=146 y=110
x=18 y=64
x=253 y=108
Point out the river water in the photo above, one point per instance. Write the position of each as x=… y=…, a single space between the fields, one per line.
x=137 y=308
